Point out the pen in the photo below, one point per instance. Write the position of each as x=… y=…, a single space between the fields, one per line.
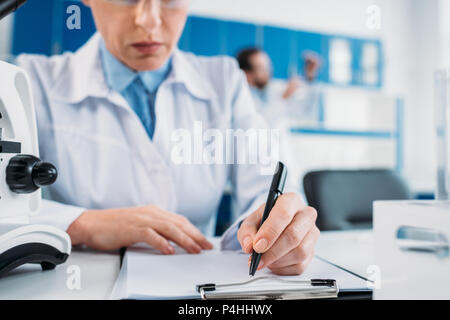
x=276 y=189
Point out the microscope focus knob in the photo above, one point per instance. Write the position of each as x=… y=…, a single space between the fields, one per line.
x=27 y=173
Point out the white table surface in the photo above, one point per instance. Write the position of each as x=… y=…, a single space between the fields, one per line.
x=352 y=250
x=98 y=271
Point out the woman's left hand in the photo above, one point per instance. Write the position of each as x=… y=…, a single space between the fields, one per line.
x=287 y=238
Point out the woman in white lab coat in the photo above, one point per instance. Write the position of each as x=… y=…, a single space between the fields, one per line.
x=121 y=183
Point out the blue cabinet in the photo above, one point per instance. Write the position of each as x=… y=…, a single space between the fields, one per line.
x=238 y=36
x=280 y=45
x=33 y=28
x=204 y=36
x=317 y=43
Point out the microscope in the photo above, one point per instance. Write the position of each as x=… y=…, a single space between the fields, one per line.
x=22 y=174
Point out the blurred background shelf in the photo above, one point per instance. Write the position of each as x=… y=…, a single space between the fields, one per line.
x=345 y=133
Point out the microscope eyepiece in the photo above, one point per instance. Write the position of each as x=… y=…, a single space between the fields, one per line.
x=9 y=6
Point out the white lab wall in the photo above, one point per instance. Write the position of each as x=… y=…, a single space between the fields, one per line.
x=444 y=33
x=409 y=32
x=411 y=41
x=419 y=94
x=337 y=16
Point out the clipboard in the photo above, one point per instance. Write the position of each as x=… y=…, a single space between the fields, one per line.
x=148 y=275
x=287 y=289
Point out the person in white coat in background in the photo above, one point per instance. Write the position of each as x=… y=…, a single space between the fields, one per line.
x=120 y=117
x=282 y=103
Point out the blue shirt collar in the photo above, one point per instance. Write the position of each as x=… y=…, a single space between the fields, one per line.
x=119 y=76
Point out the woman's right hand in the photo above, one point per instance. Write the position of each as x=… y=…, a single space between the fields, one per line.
x=115 y=228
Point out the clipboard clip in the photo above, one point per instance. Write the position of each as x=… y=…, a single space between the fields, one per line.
x=304 y=289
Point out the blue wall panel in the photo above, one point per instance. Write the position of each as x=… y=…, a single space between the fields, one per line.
x=356 y=46
x=239 y=36
x=206 y=36
x=317 y=43
x=381 y=64
x=74 y=39
x=278 y=43
x=33 y=28
x=40 y=27
x=183 y=43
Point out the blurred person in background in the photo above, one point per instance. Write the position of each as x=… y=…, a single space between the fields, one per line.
x=282 y=103
x=298 y=98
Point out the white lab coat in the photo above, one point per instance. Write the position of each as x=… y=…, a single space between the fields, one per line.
x=104 y=156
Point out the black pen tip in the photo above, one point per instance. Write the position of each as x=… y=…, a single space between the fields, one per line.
x=252 y=270
x=254 y=263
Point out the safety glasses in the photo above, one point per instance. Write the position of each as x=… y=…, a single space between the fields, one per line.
x=169 y=4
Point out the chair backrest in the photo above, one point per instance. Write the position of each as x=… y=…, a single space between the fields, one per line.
x=343 y=198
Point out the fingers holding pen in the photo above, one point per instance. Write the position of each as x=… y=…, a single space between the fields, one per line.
x=287 y=237
x=249 y=228
x=280 y=217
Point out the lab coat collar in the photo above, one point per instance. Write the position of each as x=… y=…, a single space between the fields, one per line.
x=184 y=72
x=83 y=76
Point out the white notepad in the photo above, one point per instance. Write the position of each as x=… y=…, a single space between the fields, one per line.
x=146 y=274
